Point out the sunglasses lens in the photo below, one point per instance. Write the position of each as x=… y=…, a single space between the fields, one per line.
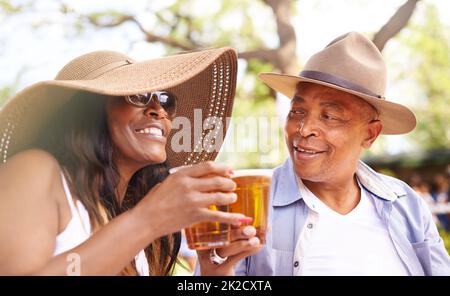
x=165 y=99
x=168 y=101
x=140 y=100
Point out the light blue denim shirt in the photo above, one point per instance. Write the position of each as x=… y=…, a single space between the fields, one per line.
x=408 y=219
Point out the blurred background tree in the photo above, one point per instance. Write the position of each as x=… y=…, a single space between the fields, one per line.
x=428 y=47
x=261 y=30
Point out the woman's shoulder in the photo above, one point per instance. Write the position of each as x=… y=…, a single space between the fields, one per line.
x=33 y=166
x=29 y=194
x=31 y=157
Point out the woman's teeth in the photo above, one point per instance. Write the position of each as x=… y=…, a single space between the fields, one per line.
x=154 y=131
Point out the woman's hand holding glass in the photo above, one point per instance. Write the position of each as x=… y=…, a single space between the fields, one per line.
x=182 y=199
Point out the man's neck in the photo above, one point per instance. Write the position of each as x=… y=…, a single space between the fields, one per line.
x=340 y=196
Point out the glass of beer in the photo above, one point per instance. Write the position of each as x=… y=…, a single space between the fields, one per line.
x=208 y=235
x=253 y=197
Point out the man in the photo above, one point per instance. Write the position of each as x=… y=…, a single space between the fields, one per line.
x=330 y=213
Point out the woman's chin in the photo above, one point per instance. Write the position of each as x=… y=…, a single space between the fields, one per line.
x=156 y=159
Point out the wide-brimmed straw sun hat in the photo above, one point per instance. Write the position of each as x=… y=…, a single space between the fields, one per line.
x=203 y=80
x=353 y=64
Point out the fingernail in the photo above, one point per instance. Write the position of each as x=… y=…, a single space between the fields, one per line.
x=234 y=197
x=249 y=230
x=246 y=220
x=254 y=241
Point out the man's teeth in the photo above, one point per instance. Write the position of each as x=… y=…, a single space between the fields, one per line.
x=305 y=151
x=154 y=131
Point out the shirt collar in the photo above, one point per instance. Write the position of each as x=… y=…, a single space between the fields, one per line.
x=287 y=190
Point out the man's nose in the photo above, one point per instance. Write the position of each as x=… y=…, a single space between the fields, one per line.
x=308 y=127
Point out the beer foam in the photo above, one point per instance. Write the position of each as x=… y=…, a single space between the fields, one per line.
x=252 y=172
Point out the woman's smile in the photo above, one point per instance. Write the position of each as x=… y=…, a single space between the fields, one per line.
x=152 y=131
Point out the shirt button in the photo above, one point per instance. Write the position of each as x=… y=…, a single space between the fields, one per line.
x=296 y=264
x=310 y=225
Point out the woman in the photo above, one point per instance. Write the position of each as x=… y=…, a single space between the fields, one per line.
x=84 y=182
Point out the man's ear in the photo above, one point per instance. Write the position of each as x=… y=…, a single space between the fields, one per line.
x=373 y=131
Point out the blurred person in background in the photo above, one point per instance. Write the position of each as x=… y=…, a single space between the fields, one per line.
x=440 y=193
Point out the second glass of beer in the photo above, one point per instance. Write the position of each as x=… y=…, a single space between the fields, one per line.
x=252 y=189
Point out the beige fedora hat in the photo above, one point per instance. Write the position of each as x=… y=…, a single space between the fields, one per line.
x=353 y=64
x=203 y=80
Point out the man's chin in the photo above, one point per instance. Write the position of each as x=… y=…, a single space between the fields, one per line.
x=307 y=171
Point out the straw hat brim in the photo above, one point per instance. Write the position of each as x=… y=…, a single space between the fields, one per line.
x=203 y=80
x=395 y=118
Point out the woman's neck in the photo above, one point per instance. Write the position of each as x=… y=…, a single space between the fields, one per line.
x=126 y=171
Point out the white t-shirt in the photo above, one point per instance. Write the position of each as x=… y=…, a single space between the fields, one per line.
x=357 y=243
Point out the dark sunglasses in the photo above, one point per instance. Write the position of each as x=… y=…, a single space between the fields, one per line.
x=165 y=99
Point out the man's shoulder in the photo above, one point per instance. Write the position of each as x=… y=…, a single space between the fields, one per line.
x=405 y=194
x=395 y=183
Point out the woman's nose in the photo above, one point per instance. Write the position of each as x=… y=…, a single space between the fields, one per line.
x=155 y=110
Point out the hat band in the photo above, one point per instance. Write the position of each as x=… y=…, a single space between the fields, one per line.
x=329 y=78
x=106 y=68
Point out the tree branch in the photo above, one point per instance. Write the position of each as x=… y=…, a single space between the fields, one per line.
x=395 y=24
x=149 y=37
x=117 y=22
x=285 y=55
x=266 y=55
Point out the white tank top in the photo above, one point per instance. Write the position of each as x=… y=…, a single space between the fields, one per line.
x=79 y=230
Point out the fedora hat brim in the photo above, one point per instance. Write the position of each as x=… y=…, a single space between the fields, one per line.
x=395 y=118
x=203 y=80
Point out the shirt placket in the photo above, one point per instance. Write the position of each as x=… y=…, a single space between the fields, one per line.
x=303 y=242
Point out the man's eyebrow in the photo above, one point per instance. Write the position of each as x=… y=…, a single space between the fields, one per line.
x=333 y=105
x=298 y=98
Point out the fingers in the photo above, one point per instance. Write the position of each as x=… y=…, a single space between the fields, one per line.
x=238 y=247
x=241 y=239
x=216 y=183
x=236 y=251
x=223 y=217
x=242 y=232
x=206 y=168
x=216 y=198
x=233 y=260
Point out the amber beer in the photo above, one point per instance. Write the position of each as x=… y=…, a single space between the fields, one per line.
x=253 y=198
x=207 y=235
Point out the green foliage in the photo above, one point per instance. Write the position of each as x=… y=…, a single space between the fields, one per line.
x=9 y=90
x=446 y=237
x=429 y=46
x=5 y=93
x=207 y=28
x=7 y=7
